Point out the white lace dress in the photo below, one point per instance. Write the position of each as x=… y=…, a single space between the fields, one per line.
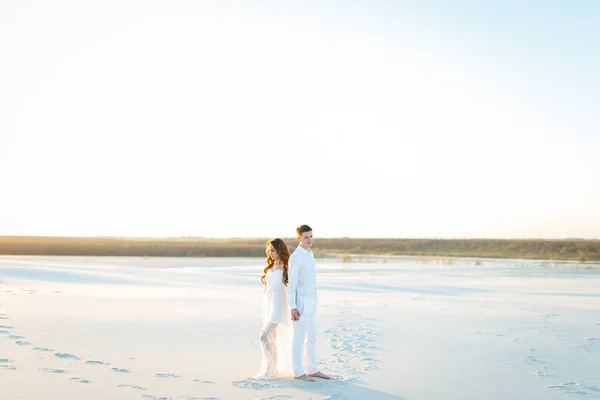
x=274 y=306
x=276 y=332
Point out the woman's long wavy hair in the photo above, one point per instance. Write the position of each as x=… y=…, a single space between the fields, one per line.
x=284 y=255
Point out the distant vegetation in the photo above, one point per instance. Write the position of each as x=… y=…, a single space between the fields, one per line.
x=568 y=249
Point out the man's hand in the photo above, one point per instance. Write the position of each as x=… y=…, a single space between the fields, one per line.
x=295 y=314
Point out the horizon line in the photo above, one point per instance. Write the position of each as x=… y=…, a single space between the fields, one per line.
x=319 y=237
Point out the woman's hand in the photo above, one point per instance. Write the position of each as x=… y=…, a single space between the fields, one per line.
x=295 y=314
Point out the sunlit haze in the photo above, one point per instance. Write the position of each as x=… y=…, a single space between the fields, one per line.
x=370 y=119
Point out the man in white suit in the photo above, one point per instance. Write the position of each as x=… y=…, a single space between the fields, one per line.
x=302 y=300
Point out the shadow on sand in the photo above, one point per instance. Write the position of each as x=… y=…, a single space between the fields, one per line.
x=338 y=390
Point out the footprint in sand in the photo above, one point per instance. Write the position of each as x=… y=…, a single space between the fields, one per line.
x=254 y=384
x=542 y=366
x=198 y=398
x=353 y=340
x=590 y=344
x=348 y=379
x=15 y=337
x=163 y=375
x=201 y=381
x=571 y=387
x=23 y=343
x=42 y=349
x=96 y=362
x=132 y=387
x=5 y=327
x=6 y=363
x=115 y=369
x=3 y=332
x=53 y=370
x=79 y=380
x=149 y=396
x=66 y=356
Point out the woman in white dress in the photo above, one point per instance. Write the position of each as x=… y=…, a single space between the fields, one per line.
x=276 y=334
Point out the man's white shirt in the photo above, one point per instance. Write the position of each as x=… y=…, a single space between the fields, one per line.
x=302 y=277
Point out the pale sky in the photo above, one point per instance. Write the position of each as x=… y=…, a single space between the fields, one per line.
x=372 y=119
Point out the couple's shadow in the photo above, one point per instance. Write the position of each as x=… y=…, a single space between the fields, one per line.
x=337 y=389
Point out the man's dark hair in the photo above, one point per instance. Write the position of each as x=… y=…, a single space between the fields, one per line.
x=301 y=229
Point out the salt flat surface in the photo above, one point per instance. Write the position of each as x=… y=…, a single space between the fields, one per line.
x=389 y=328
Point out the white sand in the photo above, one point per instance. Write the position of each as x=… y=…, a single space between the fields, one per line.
x=130 y=328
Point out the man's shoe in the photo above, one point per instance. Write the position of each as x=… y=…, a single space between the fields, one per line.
x=305 y=378
x=319 y=374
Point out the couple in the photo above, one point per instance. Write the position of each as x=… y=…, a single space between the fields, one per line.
x=290 y=299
